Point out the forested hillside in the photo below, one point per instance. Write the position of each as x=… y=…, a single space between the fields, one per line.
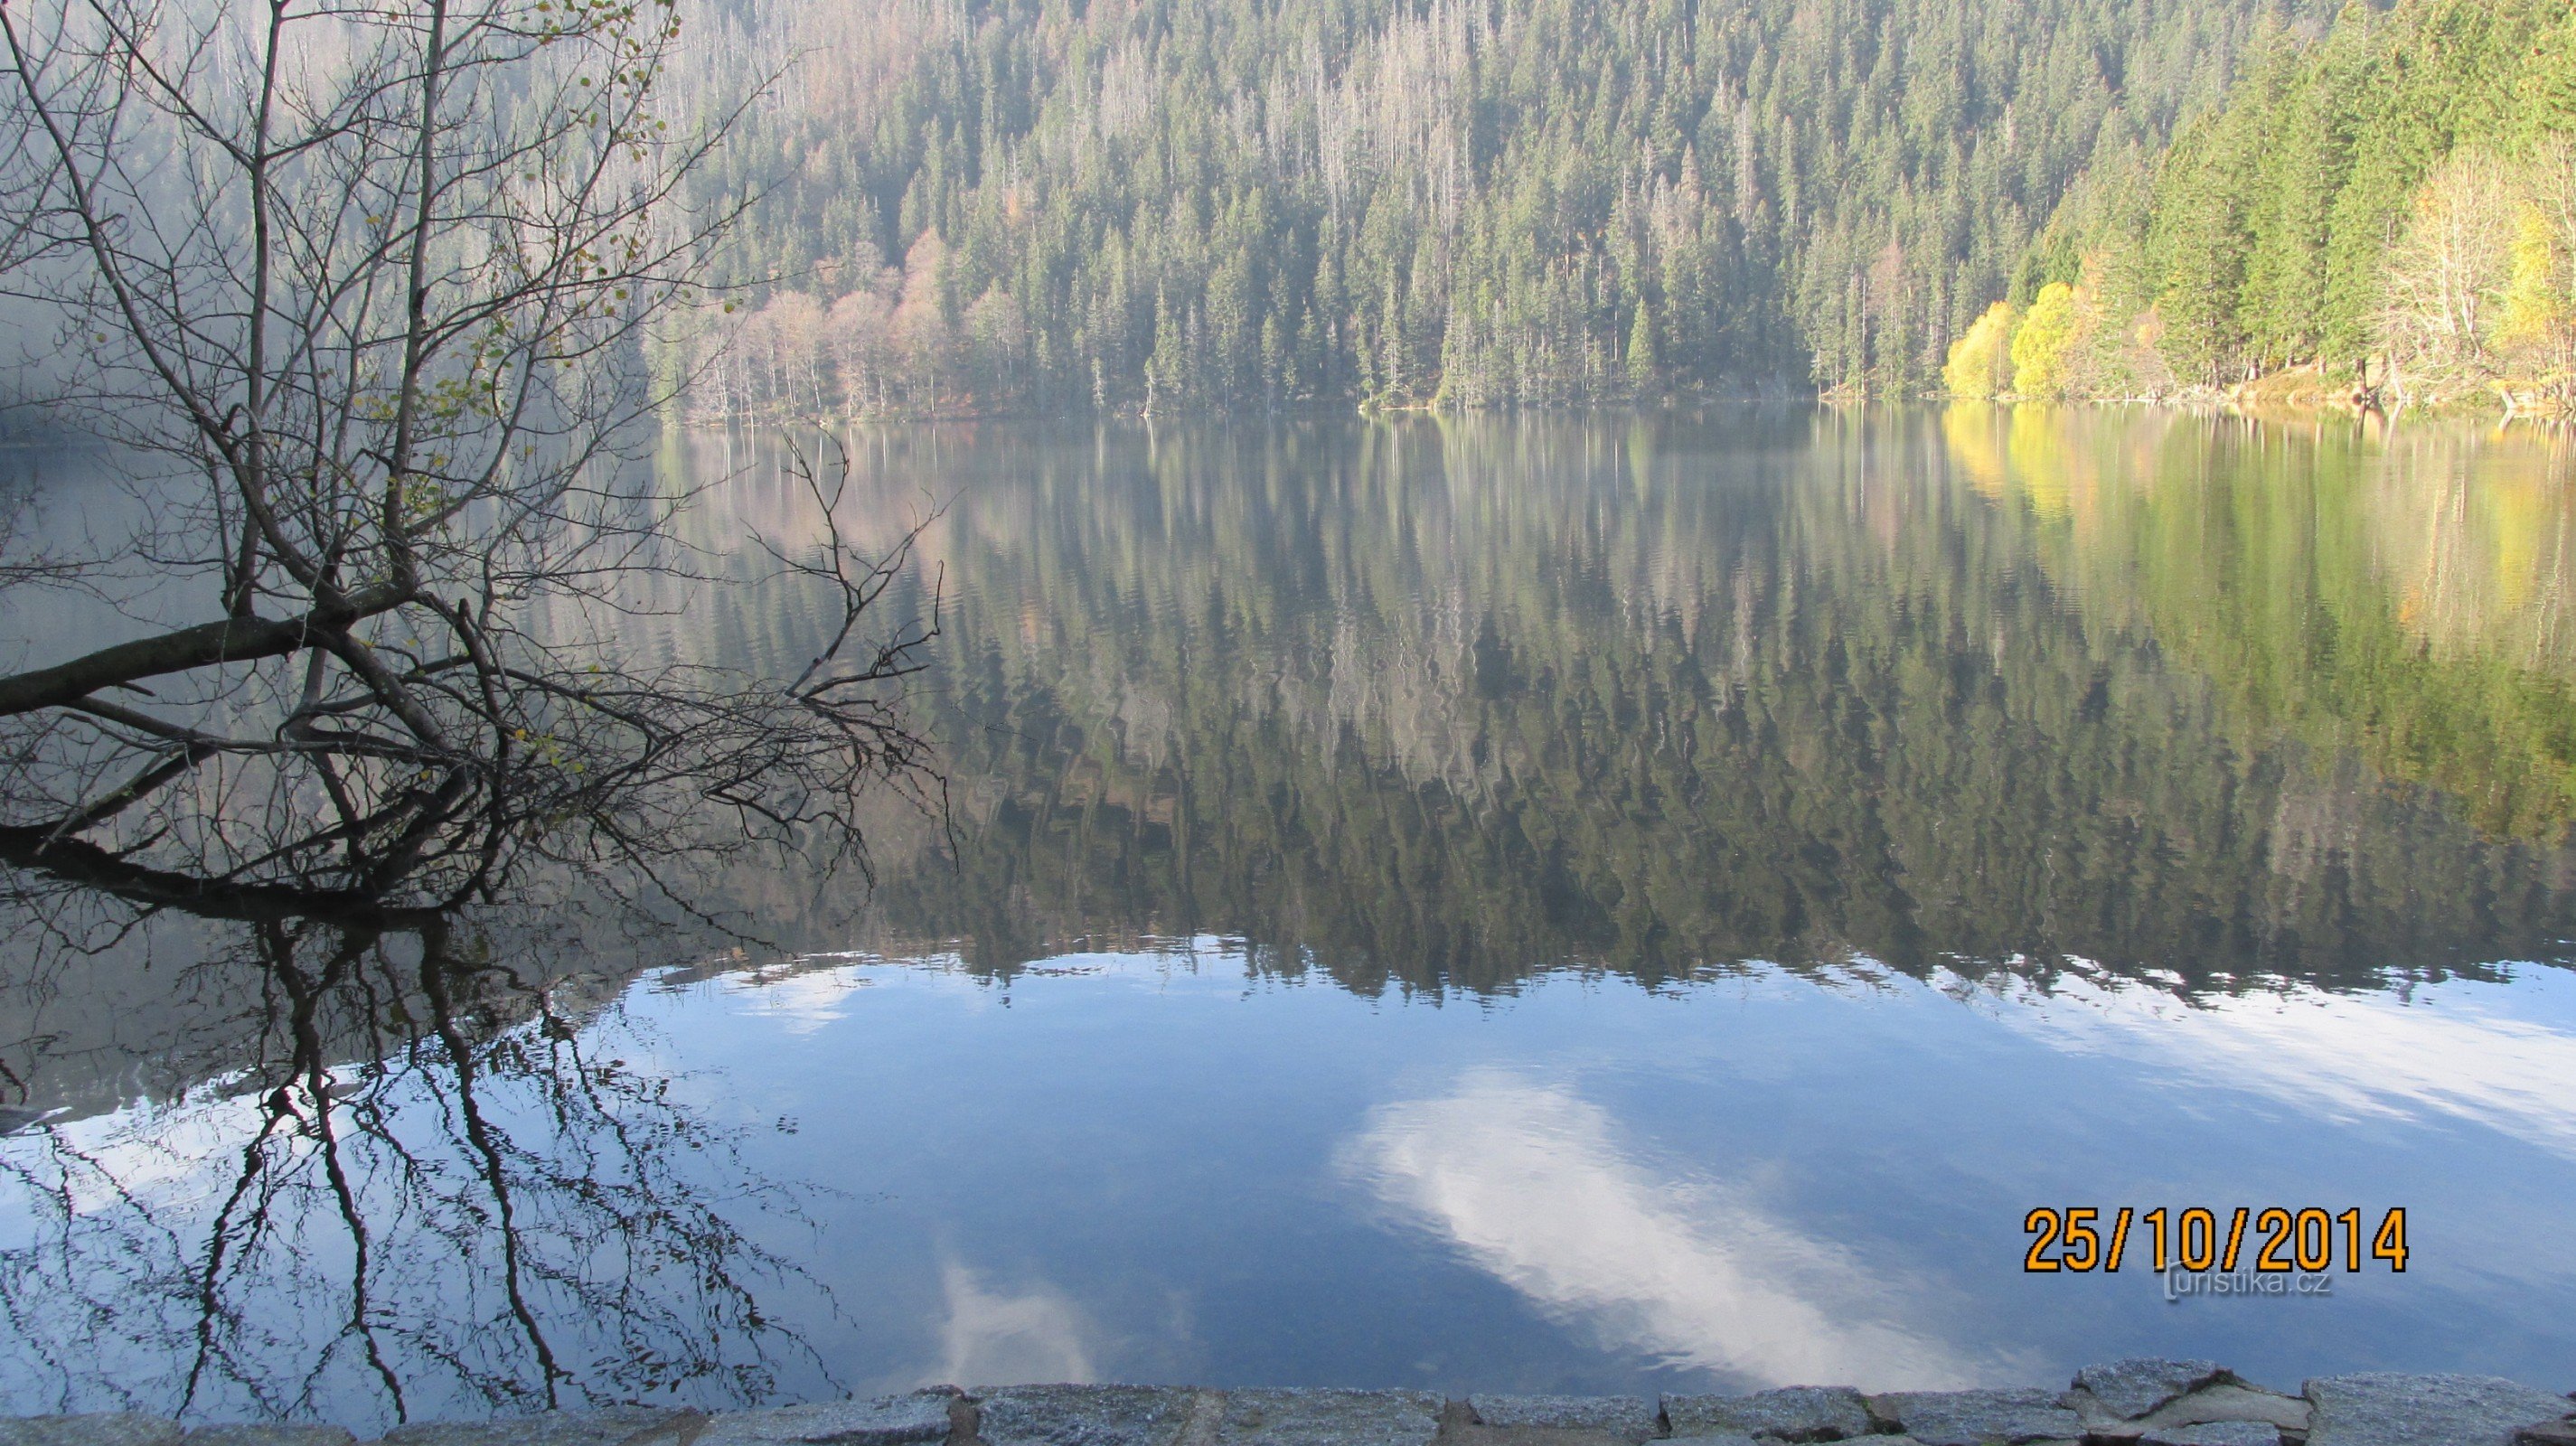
x=2391 y=210
x=985 y=205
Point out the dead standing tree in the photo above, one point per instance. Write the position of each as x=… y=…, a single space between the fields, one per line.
x=377 y=278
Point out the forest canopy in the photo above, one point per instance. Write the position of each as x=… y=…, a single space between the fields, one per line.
x=2388 y=213
x=1151 y=205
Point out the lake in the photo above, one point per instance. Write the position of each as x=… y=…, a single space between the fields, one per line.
x=1587 y=903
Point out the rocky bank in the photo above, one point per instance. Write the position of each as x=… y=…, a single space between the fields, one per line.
x=2125 y=1403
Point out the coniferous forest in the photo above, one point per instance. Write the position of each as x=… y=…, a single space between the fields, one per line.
x=2385 y=214
x=1168 y=205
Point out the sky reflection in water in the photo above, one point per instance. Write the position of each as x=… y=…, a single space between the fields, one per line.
x=1509 y=905
x=1167 y=1165
x=1586 y=1185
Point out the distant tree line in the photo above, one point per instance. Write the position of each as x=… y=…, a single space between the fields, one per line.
x=1151 y=205
x=2388 y=211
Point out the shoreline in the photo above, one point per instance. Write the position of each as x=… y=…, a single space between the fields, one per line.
x=2137 y=1402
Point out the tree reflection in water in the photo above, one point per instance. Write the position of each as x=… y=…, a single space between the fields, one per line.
x=506 y=1204
x=1448 y=704
x=2220 y=708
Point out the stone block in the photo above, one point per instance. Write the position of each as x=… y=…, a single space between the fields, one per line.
x=1790 y=1413
x=616 y=1426
x=2214 y=1433
x=1329 y=1418
x=2233 y=1403
x=1631 y=1418
x=881 y=1421
x=2390 y=1408
x=1083 y=1416
x=107 y=1428
x=2131 y=1388
x=1979 y=1418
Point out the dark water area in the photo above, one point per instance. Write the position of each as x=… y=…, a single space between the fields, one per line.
x=1590 y=903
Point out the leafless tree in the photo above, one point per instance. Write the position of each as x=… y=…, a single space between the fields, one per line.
x=376 y=282
x=2447 y=276
x=25 y=561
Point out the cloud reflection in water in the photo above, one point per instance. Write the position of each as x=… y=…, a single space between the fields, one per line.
x=998 y=1337
x=1528 y=1181
x=2353 y=1056
x=804 y=998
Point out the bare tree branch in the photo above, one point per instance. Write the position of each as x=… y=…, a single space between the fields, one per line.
x=378 y=282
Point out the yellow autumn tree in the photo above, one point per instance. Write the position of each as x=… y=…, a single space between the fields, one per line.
x=2041 y=345
x=2538 y=327
x=1980 y=365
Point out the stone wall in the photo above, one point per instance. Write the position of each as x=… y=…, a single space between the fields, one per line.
x=2126 y=1403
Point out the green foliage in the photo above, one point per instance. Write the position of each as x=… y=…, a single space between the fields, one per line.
x=1260 y=203
x=2198 y=244
x=2276 y=231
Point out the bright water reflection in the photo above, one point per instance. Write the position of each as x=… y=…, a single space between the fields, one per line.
x=1500 y=905
x=1528 y=1181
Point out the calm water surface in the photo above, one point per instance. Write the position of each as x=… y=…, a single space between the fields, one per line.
x=1501 y=905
